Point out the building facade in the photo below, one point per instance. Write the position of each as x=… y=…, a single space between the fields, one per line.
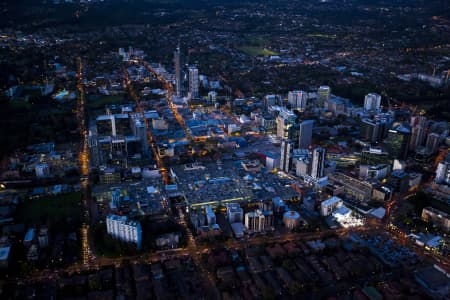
x=120 y=227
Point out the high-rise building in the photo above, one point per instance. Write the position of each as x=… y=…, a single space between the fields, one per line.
x=141 y=133
x=177 y=63
x=323 y=94
x=372 y=102
x=417 y=137
x=193 y=82
x=298 y=100
x=120 y=227
x=285 y=120
x=432 y=144
x=318 y=163
x=305 y=134
x=397 y=142
x=371 y=130
x=255 y=221
x=286 y=155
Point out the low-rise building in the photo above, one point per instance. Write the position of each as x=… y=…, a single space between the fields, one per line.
x=442 y=219
x=329 y=205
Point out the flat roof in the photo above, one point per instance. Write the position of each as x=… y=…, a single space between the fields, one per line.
x=4 y=253
x=331 y=201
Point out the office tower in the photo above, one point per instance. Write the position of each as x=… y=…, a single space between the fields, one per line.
x=369 y=130
x=417 y=137
x=397 y=142
x=318 y=163
x=305 y=134
x=432 y=144
x=298 y=100
x=286 y=155
x=323 y=94
x=284 y=121
x=372 y=102
x=121 y=228
x=193 y=82
x=177 y=63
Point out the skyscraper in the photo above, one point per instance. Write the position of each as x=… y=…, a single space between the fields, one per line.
x=177 y=63
x=370 y=130
x=305 y=134
x=284 y=121
x=323 y=93
x=417 y=137
x=397 y=142
x=193 y=82
x=432 y=144
x=372 y=102
x=286 y=155
x=318 y=163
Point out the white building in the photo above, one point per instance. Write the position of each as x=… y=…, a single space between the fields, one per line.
x=193 y=82
x=329 y=205
x=372 y=102
x=255 y=221
x=121 y=228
